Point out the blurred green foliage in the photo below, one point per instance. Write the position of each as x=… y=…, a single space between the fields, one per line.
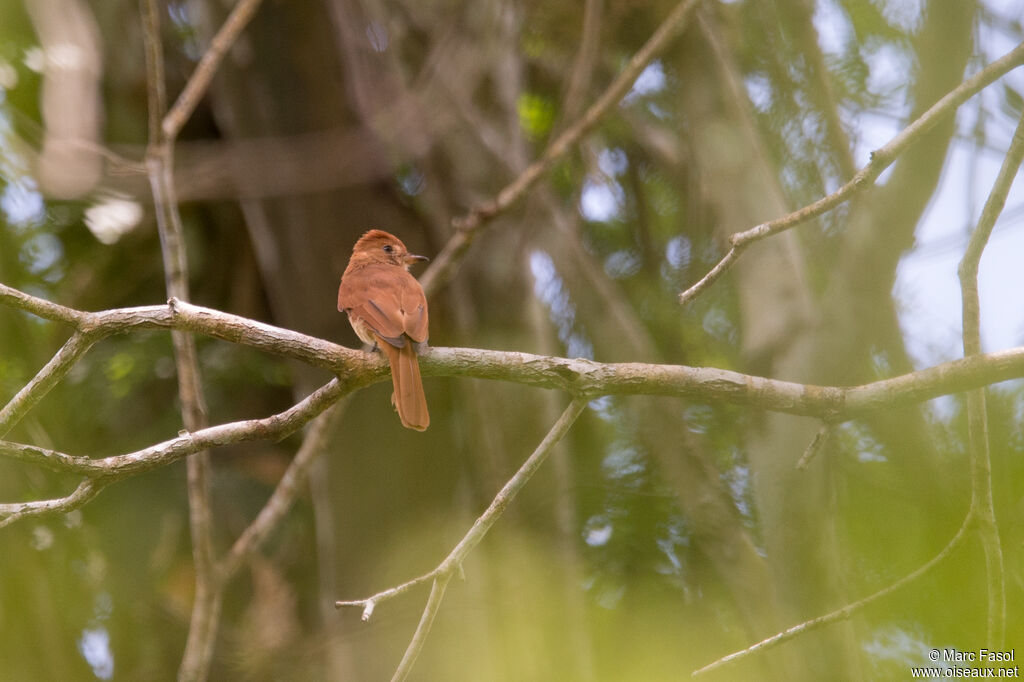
x=106 y=592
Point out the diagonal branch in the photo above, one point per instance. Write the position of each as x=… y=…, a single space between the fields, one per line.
x=467 y=227
x=848 y=610
x=44 y=380
x=881 y=159
x=419 y=637
x=453 y=562
x=284 y=494
x=200 y=79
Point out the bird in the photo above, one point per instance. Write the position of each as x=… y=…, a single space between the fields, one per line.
x=387 y=309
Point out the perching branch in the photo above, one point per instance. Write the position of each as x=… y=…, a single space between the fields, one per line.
x=881 y=159
x=575 y=376
x=467 y=227
x=453 y=562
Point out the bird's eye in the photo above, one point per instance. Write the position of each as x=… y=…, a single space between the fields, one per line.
x=387 y=248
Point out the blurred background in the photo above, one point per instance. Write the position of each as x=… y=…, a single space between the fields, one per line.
x=663 y=533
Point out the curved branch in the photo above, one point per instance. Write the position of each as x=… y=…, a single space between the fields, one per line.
x=274 y=428
x=86 y=490
x=881 y=159
x=849 y=609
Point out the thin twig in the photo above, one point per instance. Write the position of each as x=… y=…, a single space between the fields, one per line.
x=846 y=611
x=44 y=380
x=453 y=562
x=815 y=446
x=977 y=410
x=200 y=79
x=881 y=159
x=195 y=663
x=467 y=227
x=419 y=638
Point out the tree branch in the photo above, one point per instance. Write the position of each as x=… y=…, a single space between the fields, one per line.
x=981 y=514
x=453 y=562
x=846 y=611
x=467 y=227
x=48 y=377
x=160 y=168
x=86 y=490
x=977 y=411
x=356 y=369
x=284 y=494
x=117 y=467
x=881 y=159
x=419 y=637
x=200 y=79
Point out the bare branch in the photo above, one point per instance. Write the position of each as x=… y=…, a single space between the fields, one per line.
x=453 y=562
x=577 y=376
x=419 y=637
x=41 y=307
x=815 y=446
x=214 y=323
x=159 y=166
x=86 y=490
x=846 y=611
x=48 y=377
x=981 y=513
x=116 y=467
x=467 y=227
x=200 y=79
x=977 y=411
x=881 y=159
x=283 y=496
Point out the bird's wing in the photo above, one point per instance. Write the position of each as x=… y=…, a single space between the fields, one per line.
x=414 y=309
x=389 y=300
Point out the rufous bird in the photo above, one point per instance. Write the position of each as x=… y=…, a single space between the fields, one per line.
x=388 y=310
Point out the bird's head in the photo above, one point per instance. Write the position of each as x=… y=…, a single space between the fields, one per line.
x=378 y=246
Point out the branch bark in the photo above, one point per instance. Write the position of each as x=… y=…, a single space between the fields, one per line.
x=356 y=369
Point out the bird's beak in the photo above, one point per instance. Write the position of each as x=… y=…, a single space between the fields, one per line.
x=413 y=258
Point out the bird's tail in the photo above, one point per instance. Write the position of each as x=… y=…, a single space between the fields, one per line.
x=408 y=398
